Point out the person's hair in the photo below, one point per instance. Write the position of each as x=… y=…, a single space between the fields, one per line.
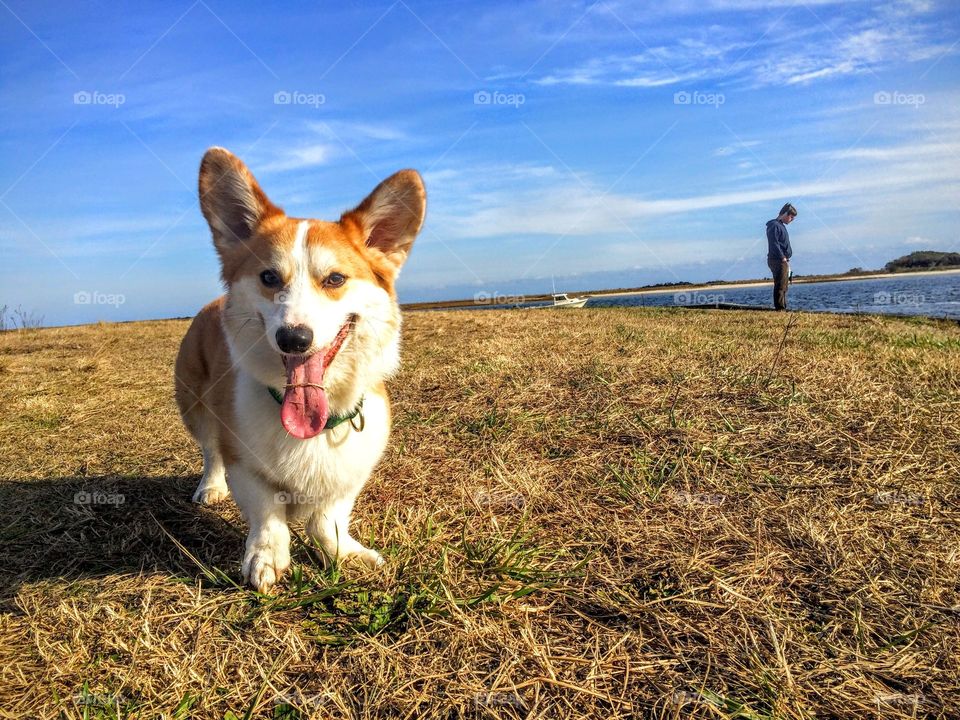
x=788 y=209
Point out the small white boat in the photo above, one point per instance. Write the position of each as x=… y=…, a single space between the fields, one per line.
x=562 y=300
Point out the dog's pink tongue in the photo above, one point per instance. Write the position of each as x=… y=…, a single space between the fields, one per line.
x=304 y=411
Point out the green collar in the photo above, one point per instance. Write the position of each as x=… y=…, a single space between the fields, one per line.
x=333 y=420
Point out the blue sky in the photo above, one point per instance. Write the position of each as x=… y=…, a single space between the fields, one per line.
x=603 y=144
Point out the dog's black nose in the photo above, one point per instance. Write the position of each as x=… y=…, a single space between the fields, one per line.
x=294 y=339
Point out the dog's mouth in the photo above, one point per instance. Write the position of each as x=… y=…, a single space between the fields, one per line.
x=304 y=411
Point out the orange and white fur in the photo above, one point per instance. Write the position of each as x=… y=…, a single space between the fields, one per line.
x=309 y=310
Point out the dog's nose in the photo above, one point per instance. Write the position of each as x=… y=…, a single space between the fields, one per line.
x=294 y=339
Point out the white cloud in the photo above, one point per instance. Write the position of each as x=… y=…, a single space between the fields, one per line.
x=456 y=180
x=315 y=144
x=841 y=69
x=352 y=131
x=557 y=204
x=297 y=158
x=649 y=81
x=822 y=47
x=735 y=147
x=655 y=67
x=77 y=237
x=897 y=152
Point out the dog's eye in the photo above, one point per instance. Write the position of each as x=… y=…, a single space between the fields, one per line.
x=270 y=279
x=335 y=280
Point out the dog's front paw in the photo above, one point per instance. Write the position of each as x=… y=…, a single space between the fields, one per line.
x=371 y=558
x=210 y=495
x=264 y=565
x=213 y=486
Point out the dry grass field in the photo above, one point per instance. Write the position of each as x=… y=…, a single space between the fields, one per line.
x=612 y=513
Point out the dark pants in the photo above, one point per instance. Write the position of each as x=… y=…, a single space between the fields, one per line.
x=781 y=278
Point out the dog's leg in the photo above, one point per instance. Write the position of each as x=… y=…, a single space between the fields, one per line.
x=213 y=485
x=330 y=526
x=267 y=553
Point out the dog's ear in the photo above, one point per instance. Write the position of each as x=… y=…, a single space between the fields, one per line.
x=391 y=216
x=230 y=198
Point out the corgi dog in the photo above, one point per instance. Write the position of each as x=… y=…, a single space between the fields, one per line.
x=281 y=380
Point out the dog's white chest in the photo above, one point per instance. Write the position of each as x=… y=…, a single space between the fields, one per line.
x=317 y=468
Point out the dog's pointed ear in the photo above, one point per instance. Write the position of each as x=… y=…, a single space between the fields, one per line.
x=391 y=216
x=230 y=198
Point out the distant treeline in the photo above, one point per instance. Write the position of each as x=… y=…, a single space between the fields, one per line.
x=924 y=260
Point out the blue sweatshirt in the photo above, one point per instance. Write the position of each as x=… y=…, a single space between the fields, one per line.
x=778 y=241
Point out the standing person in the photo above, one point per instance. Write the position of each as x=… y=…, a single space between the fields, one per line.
x=779 y=253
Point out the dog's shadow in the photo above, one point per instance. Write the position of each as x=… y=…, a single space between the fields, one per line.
x=87 y=527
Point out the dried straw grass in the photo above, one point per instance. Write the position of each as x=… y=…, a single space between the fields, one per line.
x=605 y=513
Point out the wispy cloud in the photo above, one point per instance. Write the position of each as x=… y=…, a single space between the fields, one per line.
x=898 y=152
x=736 y=147
x=655 y=67
x=358 y=131
x=552 y=203
x=298 y=158
x=784 y=53
x=318 y=143
x=94 y=236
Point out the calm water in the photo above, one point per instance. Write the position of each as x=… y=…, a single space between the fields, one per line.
x=933 y=295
